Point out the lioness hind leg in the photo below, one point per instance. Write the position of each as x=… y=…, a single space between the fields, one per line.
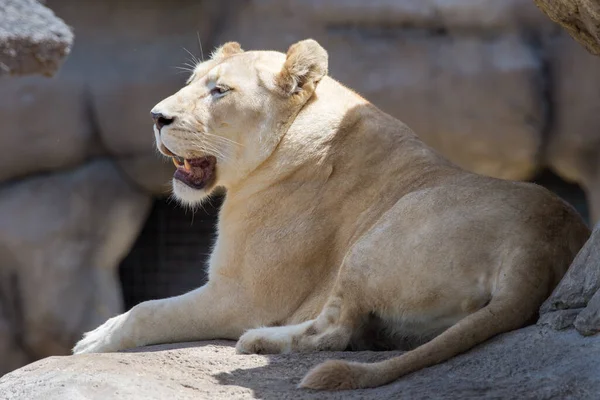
x=520 y=293
x=331 y=330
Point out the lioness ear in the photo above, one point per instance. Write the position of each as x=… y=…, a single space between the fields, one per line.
x=226 y=50
x=305 y=65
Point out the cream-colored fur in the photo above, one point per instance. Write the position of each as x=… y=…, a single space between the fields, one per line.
x=342 y=229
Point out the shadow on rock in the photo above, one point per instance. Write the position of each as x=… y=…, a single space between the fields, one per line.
x=530 y=363
x=280 y=377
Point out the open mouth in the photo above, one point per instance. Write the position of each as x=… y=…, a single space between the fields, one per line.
x=197 y=173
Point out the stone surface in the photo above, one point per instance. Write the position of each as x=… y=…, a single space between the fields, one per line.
x=61 y=240
x=151 y=172
x=13 y=355
x=532 y=363
x=588 y=321
x=46 y=125
x=32 y=39
x=429 y=76
x=451 y=15
x=576 y=299
x=581 y=18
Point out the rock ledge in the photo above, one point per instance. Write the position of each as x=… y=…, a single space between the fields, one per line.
x=531 y=363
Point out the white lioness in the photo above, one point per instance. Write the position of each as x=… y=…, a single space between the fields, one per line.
x=340 y=228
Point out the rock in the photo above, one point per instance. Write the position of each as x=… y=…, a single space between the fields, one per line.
x=151 y=172
x=588 y=321
x=32 y=39
x=435 y=15
x=61 y=239
x=122 y=105
x=581 y=18
x=574 y=137
x=576 y=299
x=46 y=125
x=559 y=319
x=430 y=74
x=13 y=355
x=531 y=363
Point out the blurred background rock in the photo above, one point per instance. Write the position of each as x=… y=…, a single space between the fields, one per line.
x=86 y=225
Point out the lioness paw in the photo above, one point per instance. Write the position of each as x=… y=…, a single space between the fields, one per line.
x=264 y=341
x=104 y=339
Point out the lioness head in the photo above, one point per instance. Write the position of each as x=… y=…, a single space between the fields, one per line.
x=232 y=113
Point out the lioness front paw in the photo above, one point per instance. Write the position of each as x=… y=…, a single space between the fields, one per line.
x=108 y=337
x=264 y=341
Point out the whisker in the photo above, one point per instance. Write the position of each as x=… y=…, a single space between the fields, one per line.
x=219 y=137
x=200 y=45
x=183 y=70
x=214 y=142
x=206 y=142
x=190 y=66
x=224 y=155
x=194 y=58
x=212 y=148
x=209 y=140
x=227 y=140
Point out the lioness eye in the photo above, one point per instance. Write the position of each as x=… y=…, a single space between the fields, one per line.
x=219 y=90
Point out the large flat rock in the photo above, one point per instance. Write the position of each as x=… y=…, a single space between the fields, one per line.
x=532 y=363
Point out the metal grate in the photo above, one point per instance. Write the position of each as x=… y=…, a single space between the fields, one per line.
x=169 y=256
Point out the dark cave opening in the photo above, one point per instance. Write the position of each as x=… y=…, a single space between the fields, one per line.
x=170 y=254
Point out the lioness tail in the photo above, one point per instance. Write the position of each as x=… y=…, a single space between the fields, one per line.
x=501 y=315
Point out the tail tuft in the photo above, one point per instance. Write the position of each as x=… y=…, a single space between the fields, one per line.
x=333 y=375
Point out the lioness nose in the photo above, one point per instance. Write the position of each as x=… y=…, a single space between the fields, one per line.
x=161 y=120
